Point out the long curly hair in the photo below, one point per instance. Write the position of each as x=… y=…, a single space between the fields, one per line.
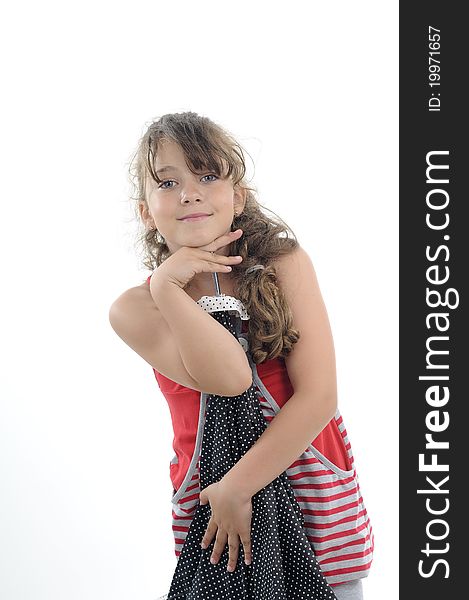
x=206 y=145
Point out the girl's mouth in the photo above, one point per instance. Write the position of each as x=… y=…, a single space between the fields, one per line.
x=199 y=218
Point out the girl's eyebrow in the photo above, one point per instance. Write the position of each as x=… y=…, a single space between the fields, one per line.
x=166 y=168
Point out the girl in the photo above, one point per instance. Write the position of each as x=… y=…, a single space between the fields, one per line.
x=200 y=218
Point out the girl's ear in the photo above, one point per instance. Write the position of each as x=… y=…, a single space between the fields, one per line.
x=145 y=215
x=239 y=198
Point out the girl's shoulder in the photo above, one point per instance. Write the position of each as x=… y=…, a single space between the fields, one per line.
x=311 y=364
x=292 y=267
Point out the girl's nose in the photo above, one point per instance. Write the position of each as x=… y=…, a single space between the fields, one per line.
x=190 y=192
x=185 y=198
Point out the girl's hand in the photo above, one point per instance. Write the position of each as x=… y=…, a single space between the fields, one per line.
x=230 y=521
x=182 y=265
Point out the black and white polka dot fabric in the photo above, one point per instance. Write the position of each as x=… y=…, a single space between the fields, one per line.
x=283 y=566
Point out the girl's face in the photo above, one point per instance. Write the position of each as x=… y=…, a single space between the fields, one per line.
x=182 y=193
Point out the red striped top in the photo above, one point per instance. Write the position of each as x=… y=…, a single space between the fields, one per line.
x=323 y=478
x=183 y=404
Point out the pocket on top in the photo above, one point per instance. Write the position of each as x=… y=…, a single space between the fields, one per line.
x=328 y=464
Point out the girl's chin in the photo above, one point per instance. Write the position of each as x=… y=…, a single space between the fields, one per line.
x=201 y=238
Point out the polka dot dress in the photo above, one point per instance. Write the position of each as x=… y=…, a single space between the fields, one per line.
x=283 y=566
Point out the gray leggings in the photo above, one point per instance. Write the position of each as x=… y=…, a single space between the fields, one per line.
x=350 y=590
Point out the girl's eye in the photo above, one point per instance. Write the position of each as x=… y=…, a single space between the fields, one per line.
x=211 y=175
x=162 y=184
x=165 y=187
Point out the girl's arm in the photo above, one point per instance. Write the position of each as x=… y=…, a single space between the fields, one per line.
x=312 y=372
x=211 y=354
x=174 y=334
x=137 y=320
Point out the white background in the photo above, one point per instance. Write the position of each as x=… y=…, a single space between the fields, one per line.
x=310 y=89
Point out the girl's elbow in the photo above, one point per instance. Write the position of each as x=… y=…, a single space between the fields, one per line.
x=240 y=384
x=230 y=386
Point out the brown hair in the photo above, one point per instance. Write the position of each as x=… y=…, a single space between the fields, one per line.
x=207 y=145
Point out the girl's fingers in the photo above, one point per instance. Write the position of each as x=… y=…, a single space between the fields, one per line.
x=214 y=267
x=221 y=257
x=217 y=260
x=220 y=262
x=247 y=549
x=233 y=546
x=209 y=533
x=220 y=543
x=223 y=240
x=226 y=239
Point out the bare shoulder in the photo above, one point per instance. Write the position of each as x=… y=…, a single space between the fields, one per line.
x=311 y=364
x=136 y=319
x=294 y=271
x=137 y=293
x=132 y=307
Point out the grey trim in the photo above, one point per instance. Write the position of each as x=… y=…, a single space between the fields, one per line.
x=330 y=465
x=195 y=456
x=258 y=382
x=200 y=431
x=268 y=396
